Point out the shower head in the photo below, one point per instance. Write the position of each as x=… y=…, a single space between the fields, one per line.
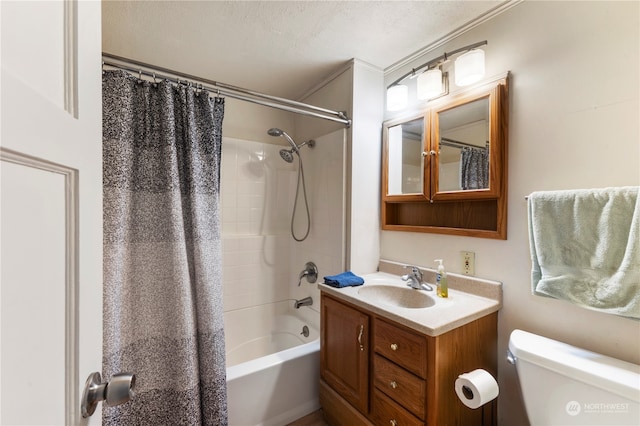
x=274 y=131
x=287 y=155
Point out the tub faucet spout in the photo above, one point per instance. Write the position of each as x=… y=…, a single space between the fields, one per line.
x=307 y=301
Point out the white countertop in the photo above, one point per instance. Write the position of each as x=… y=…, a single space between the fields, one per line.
x=446 y=313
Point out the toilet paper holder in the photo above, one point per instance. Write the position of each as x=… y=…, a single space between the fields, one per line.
x=467 y=391
x=476 y=388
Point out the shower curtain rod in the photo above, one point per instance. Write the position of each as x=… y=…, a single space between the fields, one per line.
x=454 y=143
x=223 y=89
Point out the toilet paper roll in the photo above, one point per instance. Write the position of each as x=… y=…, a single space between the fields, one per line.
x=476 y=388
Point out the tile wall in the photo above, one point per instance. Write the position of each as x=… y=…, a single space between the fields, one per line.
x=261 y=261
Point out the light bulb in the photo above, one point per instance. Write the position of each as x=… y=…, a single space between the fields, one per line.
x=470 y=67
x=397 y=97
x=429 y=84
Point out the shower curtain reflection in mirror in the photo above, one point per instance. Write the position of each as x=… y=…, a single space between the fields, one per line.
x=474 y=168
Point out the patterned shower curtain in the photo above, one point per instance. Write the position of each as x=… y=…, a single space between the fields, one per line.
x=474 y=168
x=162 y=252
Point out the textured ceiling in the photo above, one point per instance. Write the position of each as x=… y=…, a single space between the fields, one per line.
x=283 y=48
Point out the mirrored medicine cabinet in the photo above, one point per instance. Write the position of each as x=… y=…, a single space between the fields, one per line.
x=444 y=168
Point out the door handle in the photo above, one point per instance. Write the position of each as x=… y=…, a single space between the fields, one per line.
x=115 y=392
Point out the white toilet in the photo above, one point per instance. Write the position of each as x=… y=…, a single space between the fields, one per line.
x=565 y=385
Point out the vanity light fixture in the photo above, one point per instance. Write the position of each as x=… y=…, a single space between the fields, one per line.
x=432 y=83
x=469 y=67
x=397 y=96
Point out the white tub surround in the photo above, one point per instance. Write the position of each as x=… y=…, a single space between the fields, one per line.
x=273 y=370
x=271 y=364
x=469 y=298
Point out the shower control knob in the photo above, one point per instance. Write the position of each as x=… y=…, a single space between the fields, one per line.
x=310 y=271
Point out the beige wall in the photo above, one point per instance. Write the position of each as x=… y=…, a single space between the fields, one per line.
x=355 y=89
x=248 y=121
x=573 y=124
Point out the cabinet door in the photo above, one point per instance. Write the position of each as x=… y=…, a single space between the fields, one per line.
x=404 y=163
x=344 y=352
x=468 y=138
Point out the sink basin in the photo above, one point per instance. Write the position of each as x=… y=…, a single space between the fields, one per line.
x=396 y=296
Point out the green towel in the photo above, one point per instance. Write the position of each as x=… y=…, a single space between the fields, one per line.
x=585 y=248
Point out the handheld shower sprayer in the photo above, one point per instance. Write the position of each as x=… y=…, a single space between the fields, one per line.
x=274 y=131
x=287 y=155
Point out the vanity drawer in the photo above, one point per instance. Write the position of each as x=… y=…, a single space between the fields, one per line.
x=387 y=412
x=401 y=346
x=403 y=387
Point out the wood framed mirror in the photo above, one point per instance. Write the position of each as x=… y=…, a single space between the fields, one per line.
x=469 y=146
x=444 y=169
x=404 y=165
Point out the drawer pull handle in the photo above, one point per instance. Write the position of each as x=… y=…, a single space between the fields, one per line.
x=393 y=384
x=360 y=337
x=393 y=422
x=394 y=347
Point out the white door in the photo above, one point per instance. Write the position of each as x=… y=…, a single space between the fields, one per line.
x=51 y=210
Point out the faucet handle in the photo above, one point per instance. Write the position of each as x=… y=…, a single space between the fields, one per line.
x=415 y=271
x=310 y=271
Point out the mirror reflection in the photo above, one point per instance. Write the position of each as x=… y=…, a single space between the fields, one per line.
x=464 y=147
x=405 y=142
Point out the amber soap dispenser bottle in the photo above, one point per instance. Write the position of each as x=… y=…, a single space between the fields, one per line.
x=441 y=280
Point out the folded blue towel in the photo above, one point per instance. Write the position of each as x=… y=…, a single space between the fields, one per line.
x=344 y=279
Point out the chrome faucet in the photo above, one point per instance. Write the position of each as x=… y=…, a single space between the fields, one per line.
x=414 y=279
x=307 y=301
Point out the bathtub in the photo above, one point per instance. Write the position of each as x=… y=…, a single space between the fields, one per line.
x=272 y=369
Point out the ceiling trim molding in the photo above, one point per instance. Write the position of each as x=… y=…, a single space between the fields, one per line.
x=347 y=66
x=490 y=14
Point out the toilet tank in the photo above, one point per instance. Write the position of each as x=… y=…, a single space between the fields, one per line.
x=565 y=385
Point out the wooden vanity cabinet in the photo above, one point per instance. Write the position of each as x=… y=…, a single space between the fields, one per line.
x=344 y=357
x=393 y=375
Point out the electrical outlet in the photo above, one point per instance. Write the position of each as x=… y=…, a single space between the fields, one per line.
x=468 y=262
